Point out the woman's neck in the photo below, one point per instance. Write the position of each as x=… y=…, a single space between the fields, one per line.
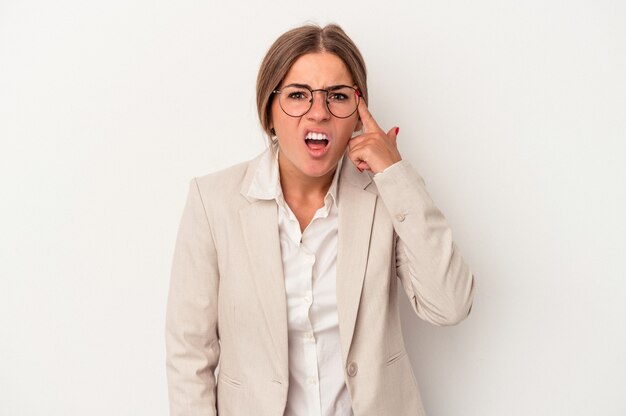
x=304 y=188
x=296 y=185
x=303 y=194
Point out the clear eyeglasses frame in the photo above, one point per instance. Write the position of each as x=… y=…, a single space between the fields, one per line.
x=296 y=100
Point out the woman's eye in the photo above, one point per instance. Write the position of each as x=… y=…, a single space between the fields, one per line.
x=336 y=96
x=297 y=95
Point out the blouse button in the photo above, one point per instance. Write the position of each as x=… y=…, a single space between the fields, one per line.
x=352 y=369
x=400 y=217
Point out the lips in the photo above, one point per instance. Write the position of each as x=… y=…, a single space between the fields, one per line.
x=316 y=141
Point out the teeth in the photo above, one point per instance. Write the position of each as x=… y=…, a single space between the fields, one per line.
x=316 y=136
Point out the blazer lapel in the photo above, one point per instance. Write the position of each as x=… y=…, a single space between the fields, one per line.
x=356 y=215
x=259 y=222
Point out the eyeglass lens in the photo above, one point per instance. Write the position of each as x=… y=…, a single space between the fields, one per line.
x=296 y=101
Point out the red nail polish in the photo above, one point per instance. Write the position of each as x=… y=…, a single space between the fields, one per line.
x=397 y=130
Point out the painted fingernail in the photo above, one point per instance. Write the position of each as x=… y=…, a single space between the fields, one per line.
x=397 y=130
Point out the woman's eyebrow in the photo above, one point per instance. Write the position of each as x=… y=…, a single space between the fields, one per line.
x=331 y=88
x=336 y=87
x=299 y=86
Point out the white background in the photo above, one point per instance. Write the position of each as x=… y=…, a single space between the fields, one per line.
x=514 y=112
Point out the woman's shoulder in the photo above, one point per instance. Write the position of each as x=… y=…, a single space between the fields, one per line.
x=226 y=182
x=225 y=176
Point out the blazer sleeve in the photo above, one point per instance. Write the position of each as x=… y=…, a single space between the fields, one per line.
x=192 y=346
x=434 y=275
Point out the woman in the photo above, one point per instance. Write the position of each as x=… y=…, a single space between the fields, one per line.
x=285 y=267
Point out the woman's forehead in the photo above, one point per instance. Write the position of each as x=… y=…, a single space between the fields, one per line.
x=319 y=70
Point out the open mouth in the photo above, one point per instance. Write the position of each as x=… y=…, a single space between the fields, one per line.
x=316 y=141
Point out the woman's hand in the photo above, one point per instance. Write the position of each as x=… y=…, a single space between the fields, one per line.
x=373 y=150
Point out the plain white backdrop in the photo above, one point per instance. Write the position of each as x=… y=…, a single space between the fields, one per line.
x=514 y=113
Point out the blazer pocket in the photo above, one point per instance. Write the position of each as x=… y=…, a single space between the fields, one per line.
x=228 y=380
x=395 y=357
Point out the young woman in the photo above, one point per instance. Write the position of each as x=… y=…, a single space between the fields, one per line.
x=286 y=267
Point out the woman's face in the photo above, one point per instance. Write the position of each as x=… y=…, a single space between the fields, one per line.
x=300 y=156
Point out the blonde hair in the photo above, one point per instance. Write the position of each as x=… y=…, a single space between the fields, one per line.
x=295 y=43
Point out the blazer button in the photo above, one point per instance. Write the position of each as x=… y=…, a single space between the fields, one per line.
x=352 y=369
x=400 y=217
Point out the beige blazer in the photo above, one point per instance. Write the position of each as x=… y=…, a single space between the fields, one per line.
x=227 y=300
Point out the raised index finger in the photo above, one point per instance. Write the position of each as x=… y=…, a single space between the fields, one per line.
x=369 y=124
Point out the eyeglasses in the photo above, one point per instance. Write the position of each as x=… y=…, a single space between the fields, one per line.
x=296 y=100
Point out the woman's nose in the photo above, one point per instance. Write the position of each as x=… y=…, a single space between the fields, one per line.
x=319 y=108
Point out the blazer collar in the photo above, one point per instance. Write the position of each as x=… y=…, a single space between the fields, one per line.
x=251 y=176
